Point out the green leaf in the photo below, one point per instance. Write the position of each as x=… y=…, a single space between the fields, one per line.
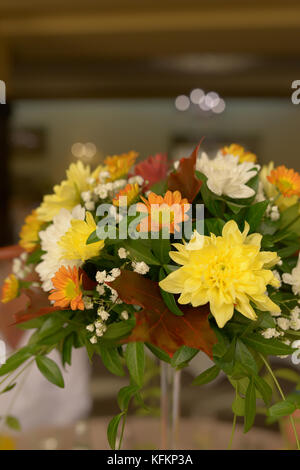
x=250 y=406
x=159 y=188
x=226 y=362
x=125 y=395
x=93 y=238
x=255 y=213
x=161 y=248
x=267 y=346
x=162 y=355
x=67 y=348
x=8 y=388
x=168 y=298
x=183 y=355
x=112 y=361
x=263 y=388
x=290 y=214
x=13 y=423
x=135 y=360
x=35 y=256
x=119 y=330
x=112 y=430
x=139 y=251
x=213 y=225
x=238 y=406
x=207 y=376
x=50 y=370
x=17 y=359
x=283 y=408
x=244 y=356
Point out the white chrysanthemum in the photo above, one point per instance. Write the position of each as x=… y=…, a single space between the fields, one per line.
x=294 y=278
x=226 y=176
x=52 y=259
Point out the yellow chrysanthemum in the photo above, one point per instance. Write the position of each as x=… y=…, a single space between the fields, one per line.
x=10 y=289
x=30 y=232
x=67 y=194
x=67 y=289
x=74 y=244
x=271 y=191
x=131 y=192
x=118 y=166
x=239 y=151
x=228 y=272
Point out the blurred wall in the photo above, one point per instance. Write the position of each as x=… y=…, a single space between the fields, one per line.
x=148 y=126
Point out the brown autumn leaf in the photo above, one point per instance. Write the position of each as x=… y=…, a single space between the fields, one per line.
x=185 y=179
x=156 y=324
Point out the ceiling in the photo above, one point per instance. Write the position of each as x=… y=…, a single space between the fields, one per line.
x=148 y=48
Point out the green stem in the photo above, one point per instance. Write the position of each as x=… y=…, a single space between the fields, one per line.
x=282 y=395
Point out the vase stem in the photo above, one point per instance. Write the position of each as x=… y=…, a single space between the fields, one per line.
x=175 y=409
x=164 y=405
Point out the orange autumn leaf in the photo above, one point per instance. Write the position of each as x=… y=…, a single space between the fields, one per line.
x=156 y=324
x=184 y=179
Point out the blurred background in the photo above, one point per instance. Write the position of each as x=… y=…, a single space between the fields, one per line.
x=89 y=78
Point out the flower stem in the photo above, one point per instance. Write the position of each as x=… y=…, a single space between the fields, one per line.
x=283 y=397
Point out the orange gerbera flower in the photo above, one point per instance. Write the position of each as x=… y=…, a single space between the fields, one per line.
x=168 y=211
x=10 y=289
x=67 y=289
x=239 y=151
x=29 y=234
x=287 y=181
x=131 y=192
x=118 y=166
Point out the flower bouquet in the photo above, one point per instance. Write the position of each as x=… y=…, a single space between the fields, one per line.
x=200 y=257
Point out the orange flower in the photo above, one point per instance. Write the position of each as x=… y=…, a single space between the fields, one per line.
x=287 y=181
x=118 y=166
x=239 y=151
x=10 y=289
x=67 y=289
x=168 y=211
x=131 y=192
x=29 y=234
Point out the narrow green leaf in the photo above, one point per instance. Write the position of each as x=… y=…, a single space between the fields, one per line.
x=112 y=361
x=93 y=238
x=135 y=360
x=255 y=213
x=8 y=388
x=244 y=356
x=250 y=406
x=207 y=376
x=112 y=430
x=288 y=374
x=267 y=346
x=118 y=330
x=238 y=406
x=17 y=359
x=50 y=370
x=280 y=409
x=162 y=355
x=183 y=355
x=13 y=423
x=168 y=298
x=125 y=395
x=263 y=388
x=67 y=349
